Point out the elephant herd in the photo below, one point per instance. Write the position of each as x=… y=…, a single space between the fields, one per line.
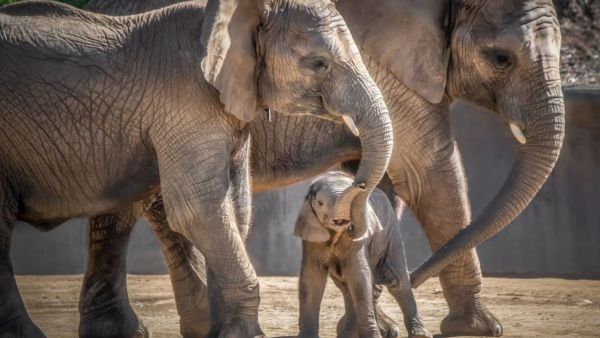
x=177 y=111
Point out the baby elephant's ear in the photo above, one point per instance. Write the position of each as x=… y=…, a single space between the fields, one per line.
x=308 y=226
x=373 y=225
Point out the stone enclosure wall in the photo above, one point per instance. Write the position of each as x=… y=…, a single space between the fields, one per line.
x=557 y=235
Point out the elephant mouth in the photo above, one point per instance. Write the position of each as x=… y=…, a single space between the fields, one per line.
x=339 y=225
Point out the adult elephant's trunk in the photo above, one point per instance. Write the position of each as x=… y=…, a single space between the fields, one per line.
x=535 y=160
x=367 y=116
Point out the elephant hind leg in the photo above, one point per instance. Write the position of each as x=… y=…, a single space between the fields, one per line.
x=398 y=284
x=405 y=298
x=14 y=320
x=104 y=304
x=387 y=326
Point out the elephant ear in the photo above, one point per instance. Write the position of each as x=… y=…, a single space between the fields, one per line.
x=308 y=226
x=408 y=37
x=229 y=61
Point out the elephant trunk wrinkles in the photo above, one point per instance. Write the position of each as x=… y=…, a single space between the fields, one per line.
x=535 y=160
x=376 y=137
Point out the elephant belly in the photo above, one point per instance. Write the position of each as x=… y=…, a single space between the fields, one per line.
x=106 y=187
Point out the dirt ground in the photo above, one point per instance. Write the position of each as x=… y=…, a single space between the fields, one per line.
x=526 y=307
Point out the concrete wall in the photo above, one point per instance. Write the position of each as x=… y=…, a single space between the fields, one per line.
x=557 y=235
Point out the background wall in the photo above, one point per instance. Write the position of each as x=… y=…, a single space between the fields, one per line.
x=557 y=235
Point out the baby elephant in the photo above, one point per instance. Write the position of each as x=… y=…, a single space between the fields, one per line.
x=360 y=267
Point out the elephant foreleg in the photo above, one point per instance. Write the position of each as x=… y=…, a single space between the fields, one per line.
x=187 y=267
x=200 y=206
x=104 y=305
x=461 y=280
x=187 y=270
x=241 y=199
x=347 y=326
x=312 y=282
x=359 y=281
x=437 y=194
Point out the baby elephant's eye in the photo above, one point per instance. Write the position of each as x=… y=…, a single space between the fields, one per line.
x=319 y=203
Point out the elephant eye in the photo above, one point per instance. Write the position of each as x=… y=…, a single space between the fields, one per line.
x=320 y=203
x=318 y=65
x=502 y=60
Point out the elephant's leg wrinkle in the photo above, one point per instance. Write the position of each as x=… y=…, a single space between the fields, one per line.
x=241 y=199
x=187 y=270
x=104 y=304
x=217 y=305
x=14 y=320
x=239 y=174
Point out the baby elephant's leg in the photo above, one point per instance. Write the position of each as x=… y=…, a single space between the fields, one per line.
x=346 y=327
x=399 y=286
x=387 y=326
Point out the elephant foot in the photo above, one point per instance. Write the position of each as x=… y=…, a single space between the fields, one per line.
x=20 y=327
x=476 y=321
x=242 y=329
x=116 y=323
x=198 y=331
x=419 y=332
x=346 y=327
x=387 y=326
x=416 y=328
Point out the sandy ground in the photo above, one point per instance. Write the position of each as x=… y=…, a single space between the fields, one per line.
x=527 y=307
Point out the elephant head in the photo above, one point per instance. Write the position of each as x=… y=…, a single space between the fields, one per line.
x=502 y=55
x=298 y=57
x=317 y=215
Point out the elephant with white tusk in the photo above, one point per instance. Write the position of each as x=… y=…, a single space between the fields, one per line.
x=98 y=113
x=423 y=54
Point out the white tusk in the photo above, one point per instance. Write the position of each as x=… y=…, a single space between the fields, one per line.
x=518 y=133
x=351 y=125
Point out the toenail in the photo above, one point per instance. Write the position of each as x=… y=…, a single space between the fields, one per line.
x=497 y=330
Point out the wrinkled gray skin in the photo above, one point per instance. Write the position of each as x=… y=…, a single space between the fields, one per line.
x=359 y=267
x=100 y=112
x=502 y=55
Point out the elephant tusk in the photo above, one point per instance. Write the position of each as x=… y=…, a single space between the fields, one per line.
x=351 y=125
x=518 y=133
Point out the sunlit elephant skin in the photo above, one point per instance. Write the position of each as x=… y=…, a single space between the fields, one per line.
x=360 y=268
x=102 y=112
x=502 y=55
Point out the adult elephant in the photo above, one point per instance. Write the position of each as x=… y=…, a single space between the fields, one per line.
x=99 y=112
x=502 y=55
